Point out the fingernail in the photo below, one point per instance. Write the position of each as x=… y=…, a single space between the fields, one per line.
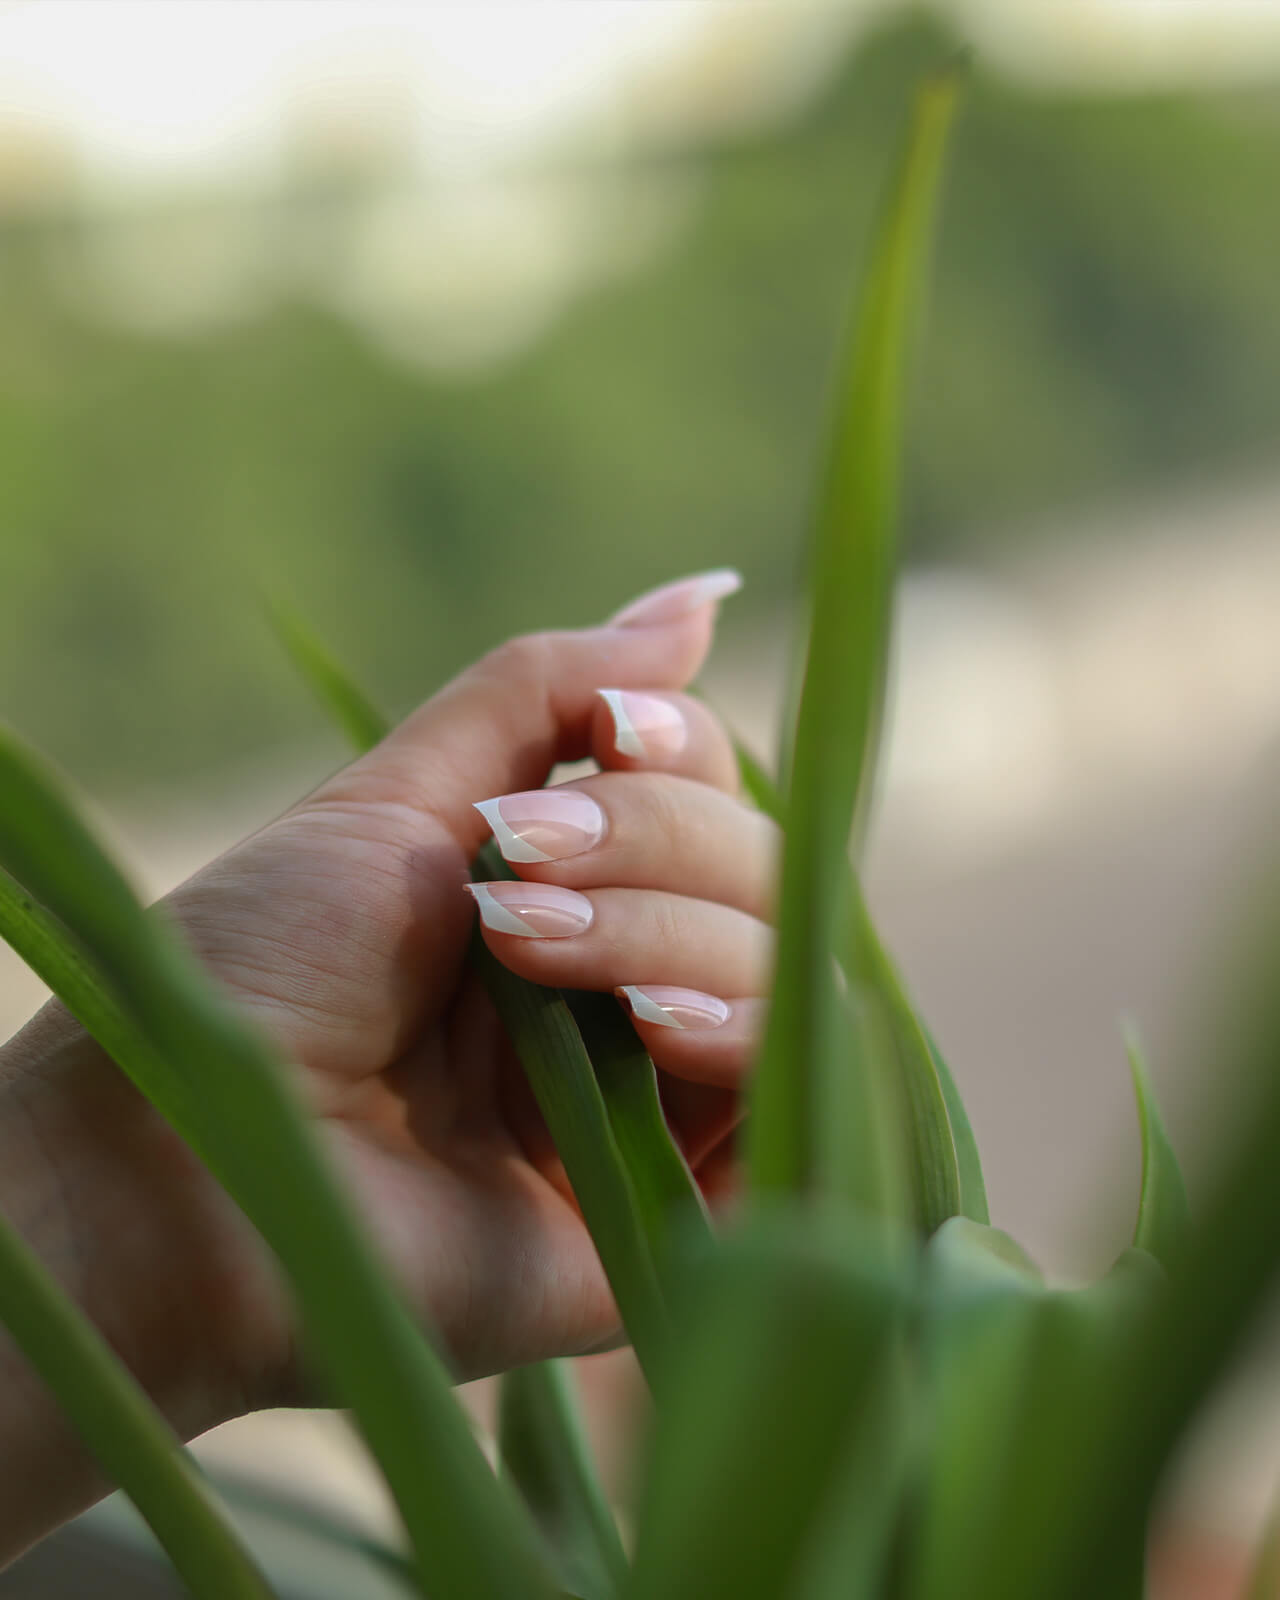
x=675 y=600
x=531 y=910
x=543 y=824
x=644 y=726
x=689 y=1009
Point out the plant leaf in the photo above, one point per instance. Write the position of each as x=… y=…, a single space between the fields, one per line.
x=804 y=1056
x=785 y=1331
x=545 y=1036
x=131 y=1441
x=1164 y=1217
x=669 y=1200
x=469 y=1540
x=335 y=689
x=545 y=1451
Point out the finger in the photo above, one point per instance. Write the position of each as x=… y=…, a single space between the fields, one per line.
x=506 y=721
x=610 y=937
x=695 y=1035
x=635 y=729
x=641 y=830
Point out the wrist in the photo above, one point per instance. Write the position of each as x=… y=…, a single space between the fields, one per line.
x=125 y=1218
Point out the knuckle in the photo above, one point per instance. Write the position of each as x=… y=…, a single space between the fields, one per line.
x=524 y=659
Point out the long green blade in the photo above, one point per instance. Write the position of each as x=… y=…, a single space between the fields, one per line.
x=545 y=1451
x=468 y=1538
x=545 y=1036
x=832 y=767
x=133 y=1444
x=670 y=1202
x=1164 y=1217
x=944 y=1166
x=786 y=1332
x=335 y=689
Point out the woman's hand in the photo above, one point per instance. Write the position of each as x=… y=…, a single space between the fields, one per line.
x=342 y=928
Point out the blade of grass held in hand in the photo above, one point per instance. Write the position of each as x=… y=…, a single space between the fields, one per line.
x=133 y=1444
x=544 y=1449
x=1164 y=1217
x=471 y=1540
x=851 y=572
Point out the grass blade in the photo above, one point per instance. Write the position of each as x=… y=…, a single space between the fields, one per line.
x=545 y=1451
x=785 y=1332
x=468 y=1539
x=134 y=1445
x=1164 y=1217
x=670 y=1202
x=545 y=1036
x=832 y=765
x=335 y=689
x=944 y=1166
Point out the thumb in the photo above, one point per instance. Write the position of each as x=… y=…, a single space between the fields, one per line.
x=505 y=722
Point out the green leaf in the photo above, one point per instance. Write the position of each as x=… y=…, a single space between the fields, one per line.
x=134 y=1445
x=469 y=1539
x=669 y=1200
x=1164 y=1217
x=545 y=1451
x=545 y=1036
x=786 y=1329
x=348 y=705
x=1021 y=1390
x=973 y=1188
x=944 y=1166
x=761 y=789
x=796 y=1093
x=945 y=1181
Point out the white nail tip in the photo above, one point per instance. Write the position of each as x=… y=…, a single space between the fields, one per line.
x=647 y=1011
x=718 y=585
x=496 y=916
x=626 y=741
x=512 y=846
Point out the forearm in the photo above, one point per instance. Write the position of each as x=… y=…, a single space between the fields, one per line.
x=102 y=1192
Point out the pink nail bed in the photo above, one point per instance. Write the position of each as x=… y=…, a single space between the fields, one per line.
x=543 y=824
x=688 y=1009
x=675 y=600
x=531 y=910
x=645 y=727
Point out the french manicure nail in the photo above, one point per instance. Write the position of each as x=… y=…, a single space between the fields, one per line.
x=688 y=1009
x=675 y=600
x=531 y=910
x=543 y=824
x=645 y=727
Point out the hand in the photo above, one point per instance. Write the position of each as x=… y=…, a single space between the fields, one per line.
x=342 y=928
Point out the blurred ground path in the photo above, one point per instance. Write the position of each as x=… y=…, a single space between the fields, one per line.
x=1081 y=769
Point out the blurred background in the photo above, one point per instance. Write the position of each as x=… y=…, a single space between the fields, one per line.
x=441 y=322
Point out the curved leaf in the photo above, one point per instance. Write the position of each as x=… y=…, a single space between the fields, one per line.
x=130 y=1439
x=545 y=1451
x=469 y=1540
x=797 y=1097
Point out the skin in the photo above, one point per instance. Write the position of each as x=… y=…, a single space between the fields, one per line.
x=341 y=928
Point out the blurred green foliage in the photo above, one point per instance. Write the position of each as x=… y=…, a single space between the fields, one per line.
x=1106 y=321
